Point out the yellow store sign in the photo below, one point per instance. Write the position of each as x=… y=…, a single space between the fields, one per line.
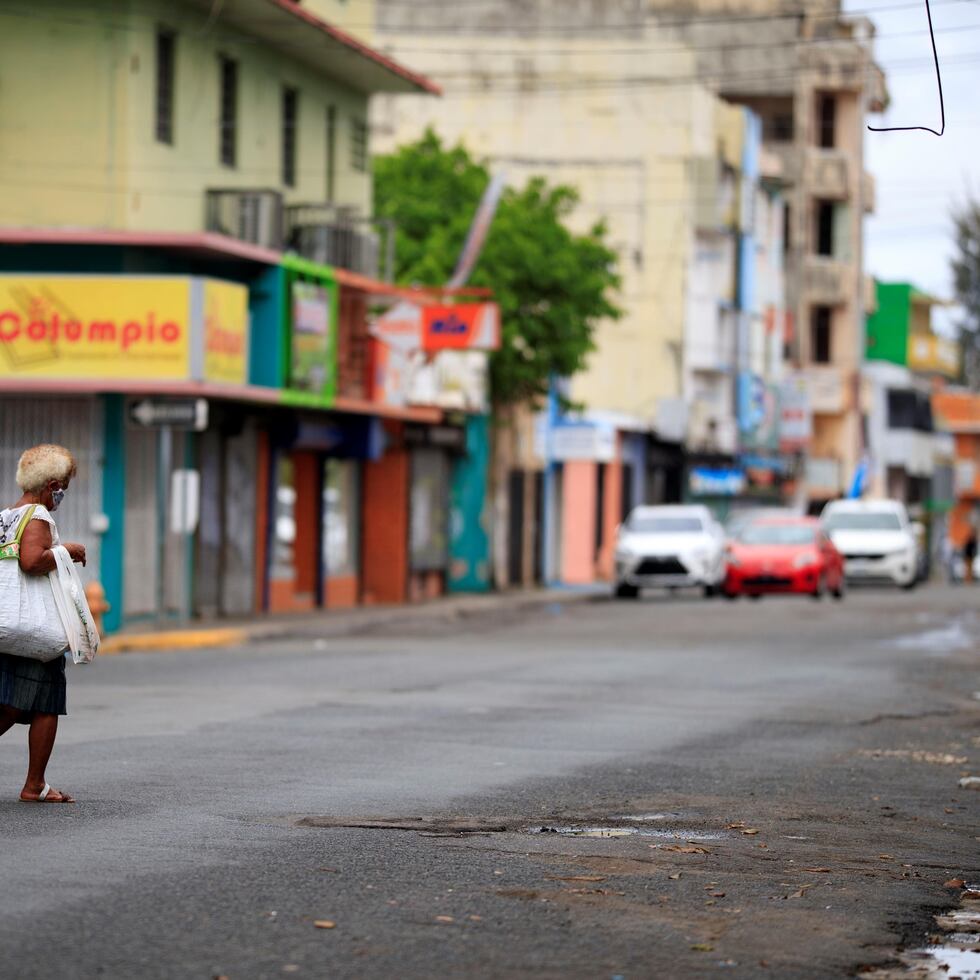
x=123 y=328
x=225 y=332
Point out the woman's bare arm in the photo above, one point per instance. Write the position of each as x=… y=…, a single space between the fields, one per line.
x=36 y=556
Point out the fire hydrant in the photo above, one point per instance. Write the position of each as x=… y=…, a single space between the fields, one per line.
x=95 y=596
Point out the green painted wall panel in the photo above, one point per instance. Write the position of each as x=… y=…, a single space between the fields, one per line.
x=469 y=542
x=888 y=327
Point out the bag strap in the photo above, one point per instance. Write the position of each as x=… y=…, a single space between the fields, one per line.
x=24 y=521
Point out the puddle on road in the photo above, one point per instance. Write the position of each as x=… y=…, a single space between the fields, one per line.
x=943 y=639
x=948 y=961
x=679 y=835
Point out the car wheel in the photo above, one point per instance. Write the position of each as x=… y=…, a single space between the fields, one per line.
x=755 y=596
x=818 y=592
x=626 y=591
x=909 y=586
x=709 y=591
x=841 y=589
x=732 y=596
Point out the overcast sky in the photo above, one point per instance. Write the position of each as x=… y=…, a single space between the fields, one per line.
x=920 y=176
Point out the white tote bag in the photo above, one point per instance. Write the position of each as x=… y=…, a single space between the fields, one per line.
x=30 y=625
x=73 y=611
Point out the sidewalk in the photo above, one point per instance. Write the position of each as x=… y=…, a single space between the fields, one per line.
x=336 y=623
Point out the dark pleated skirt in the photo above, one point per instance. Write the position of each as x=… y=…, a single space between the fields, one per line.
x=30 y=686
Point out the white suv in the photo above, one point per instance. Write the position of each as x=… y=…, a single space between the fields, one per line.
x=876 y=540
x=671 y=546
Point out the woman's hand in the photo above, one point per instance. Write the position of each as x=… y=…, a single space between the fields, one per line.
x=77 y=552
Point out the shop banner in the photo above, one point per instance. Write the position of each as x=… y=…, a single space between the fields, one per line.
x=123 y=328
x=758 y=412
x=461 y=326
x=225 y=332
x=795 y=416
x=466 y=326
x=91 y=327
x=312 y=339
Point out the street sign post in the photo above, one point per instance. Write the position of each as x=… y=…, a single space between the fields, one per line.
x=188 y=414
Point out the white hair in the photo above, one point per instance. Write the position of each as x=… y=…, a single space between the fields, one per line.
x=39 y=465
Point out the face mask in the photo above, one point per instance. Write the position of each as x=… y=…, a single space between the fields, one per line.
x=56 y=497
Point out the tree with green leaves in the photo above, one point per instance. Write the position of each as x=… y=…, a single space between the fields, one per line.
x=966 y=283
x=553 y=285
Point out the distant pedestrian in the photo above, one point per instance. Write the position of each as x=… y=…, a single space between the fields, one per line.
x=969 y=553
x=33 y=692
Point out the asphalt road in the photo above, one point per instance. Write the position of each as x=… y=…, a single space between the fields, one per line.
x=779 y=778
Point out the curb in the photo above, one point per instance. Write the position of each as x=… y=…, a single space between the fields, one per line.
x=340 y=625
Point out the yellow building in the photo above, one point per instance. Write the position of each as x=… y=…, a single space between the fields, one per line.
x=184 y=117
x=537 y=106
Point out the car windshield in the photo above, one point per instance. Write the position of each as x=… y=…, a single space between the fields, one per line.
x=664 y=525
x=863 y=521
x=760 y=533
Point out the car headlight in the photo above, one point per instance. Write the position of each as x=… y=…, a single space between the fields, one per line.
x=807 y=558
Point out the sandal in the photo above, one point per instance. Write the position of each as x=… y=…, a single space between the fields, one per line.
x=45 y=794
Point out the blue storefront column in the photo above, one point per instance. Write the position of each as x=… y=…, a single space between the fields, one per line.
x=469 y=542
x=114 y=507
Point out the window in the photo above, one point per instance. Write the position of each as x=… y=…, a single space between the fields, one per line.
x=290 y=101
x=826 y=121
x=359 y=146
x=909 y=409
x=228 y=112
x=166 y=49
x=824 y=228
x=820 y=323
x=331 y=151
x=781 y=128
x=787 y=229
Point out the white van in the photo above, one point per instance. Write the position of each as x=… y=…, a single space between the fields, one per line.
x=876 y=539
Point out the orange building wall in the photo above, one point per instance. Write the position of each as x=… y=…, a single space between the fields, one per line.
x=578 y=522
x=341 y=592
x=612 y=498
x=385 y=535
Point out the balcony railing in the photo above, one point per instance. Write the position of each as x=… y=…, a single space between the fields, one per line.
x=339 y=237
x=250 y=215
x=827 y=173
x=825 y=280
x=827 y=389
x=823 y=473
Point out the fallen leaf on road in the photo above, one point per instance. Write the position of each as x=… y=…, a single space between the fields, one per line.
x=801 y=892
x=576 y=878
x=749 y=831
x=970 y=782
x=674 y=877
x=817 y=871
x=738 y=825
x=329 y=871
x=717 y=894
x=703 y=948
x=954 y=883
x=445 y=918
x=476 y=918
x=325 y=924
x=886 y=857
x=683 y=848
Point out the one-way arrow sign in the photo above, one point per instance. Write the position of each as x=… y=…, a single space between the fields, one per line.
x=174 y=413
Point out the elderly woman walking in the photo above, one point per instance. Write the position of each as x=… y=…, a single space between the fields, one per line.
x=33 y=692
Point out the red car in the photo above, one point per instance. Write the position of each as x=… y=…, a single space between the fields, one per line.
x=788 y=555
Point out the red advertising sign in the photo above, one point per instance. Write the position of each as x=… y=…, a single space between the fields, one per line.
x=461 y=326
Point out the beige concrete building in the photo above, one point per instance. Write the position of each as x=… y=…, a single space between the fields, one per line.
x=810 y=74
